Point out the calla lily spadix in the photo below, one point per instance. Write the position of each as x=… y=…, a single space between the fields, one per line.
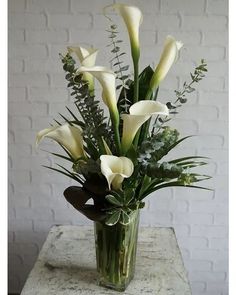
x=87 y=58
x=169 y=56
x=139 y=113
x=70 y=137
x=115 y=169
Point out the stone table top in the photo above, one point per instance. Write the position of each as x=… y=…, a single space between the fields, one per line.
x=66 y=265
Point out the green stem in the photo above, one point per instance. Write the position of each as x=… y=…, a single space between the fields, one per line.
x=115 y=124
x=136 y=81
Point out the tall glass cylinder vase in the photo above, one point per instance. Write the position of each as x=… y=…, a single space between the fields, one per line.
x=116 y=252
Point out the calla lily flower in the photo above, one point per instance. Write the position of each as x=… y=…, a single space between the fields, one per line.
x=115 y=169
x=106 y=78
x=133 y=18
x=169 y=56
x=139 y=113
x=87 y=58
x=70 y=137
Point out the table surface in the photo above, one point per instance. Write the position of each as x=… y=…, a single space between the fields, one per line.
x=66 y=264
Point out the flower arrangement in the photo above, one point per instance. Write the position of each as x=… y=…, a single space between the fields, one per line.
x=118 y=161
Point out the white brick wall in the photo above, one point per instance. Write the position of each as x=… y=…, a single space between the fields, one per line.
x=38 y=31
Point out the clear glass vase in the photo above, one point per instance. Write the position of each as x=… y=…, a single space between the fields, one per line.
x=116 y=252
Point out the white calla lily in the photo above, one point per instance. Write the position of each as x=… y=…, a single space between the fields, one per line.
x=70 y=137
x=139 y=113
x=87 y=58
x=106 y=78
x=169 y=56
x=133 y=18
x=115 y=169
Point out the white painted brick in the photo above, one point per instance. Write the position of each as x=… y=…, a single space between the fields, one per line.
x=213 y=68
x=75 y=21
x=223 y=168
x=87 y=37
x=23 y=50
x=221 y=219
x=151 y=6
x=28 y=162
x=25 y=136
x=46 y=200
x=198 y=52
x=48 y=94
x=17 y=93
x=206 y=206
x=213 y=127
x=215 y=38
x=43 y=65
x=157 y=218
x=18 y=199
x=18 y=177
x=11 y=236
x=224 y=113
x=55 y=108
x=20 y=123
x=193 y=218
x=46 y=36
x=206 y=23
x=218 y=7
x=198 y=112
x=48 y=176
x=209 y=231
x=18 y=80
x=221 y=265
x=23 y=248
x=89 y=5
x=198 y=265
x=193 y=243
x=217 y=243
x=167 y=205
x=41 y=88
x=148 y=37
x=19 y=150
x=16 y=5
x=167 y=22
x=16 y=37
x=39 y=213
x=188 y=38
x=52 y=6
x=216 y=98
x=198 y=287
x=209 y=276
x=19 y=225
x=27 y=109
x=185 y=126
x=182 y=230
x=15 y=66
x=184 y=6
x=27 y=21
x=193 y=194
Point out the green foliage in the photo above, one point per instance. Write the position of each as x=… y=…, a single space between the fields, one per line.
x=95 y=123
x=157 y=146
x=119 y=68
x=196 y=76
